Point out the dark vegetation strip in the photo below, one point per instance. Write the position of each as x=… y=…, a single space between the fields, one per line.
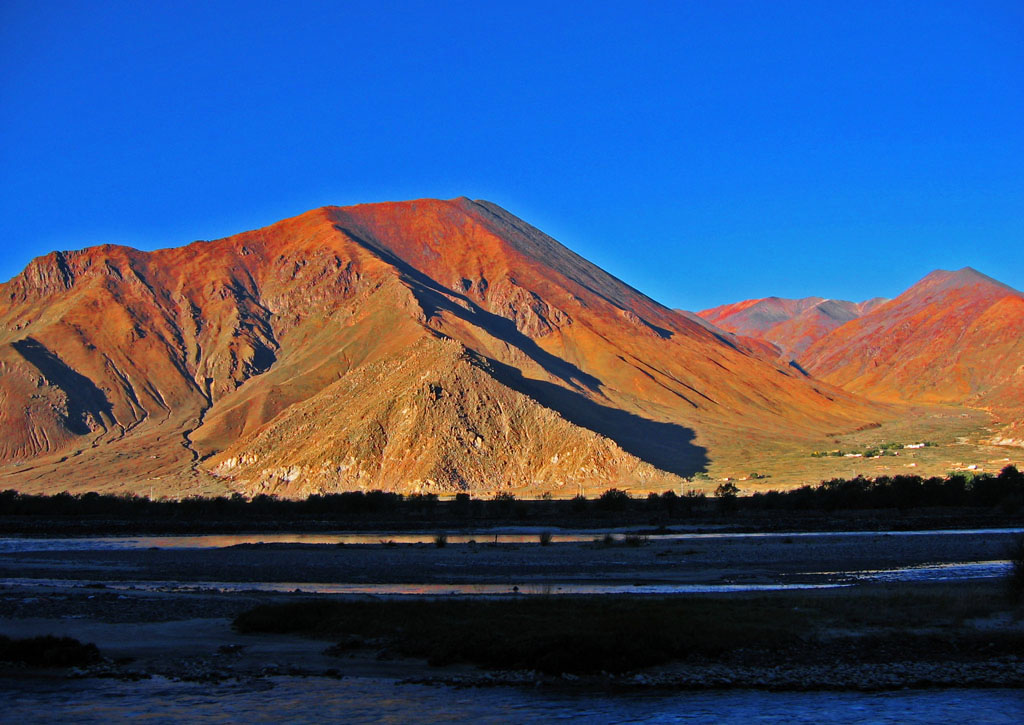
x=48 y=651
x=963 y=496
x=618 y=634
x=554 y=636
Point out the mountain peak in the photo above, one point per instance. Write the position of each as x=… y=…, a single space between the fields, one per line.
x=949 y=279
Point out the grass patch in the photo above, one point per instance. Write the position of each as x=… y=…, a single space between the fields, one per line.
x=552 y=635
x=615 y=634
x=48 y=651
x=903 y=607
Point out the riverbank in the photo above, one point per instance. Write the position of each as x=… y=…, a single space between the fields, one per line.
x=718 y=559
x=162 y=613
x=876 y=637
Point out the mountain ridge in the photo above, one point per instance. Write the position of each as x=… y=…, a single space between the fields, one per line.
x=195 y=354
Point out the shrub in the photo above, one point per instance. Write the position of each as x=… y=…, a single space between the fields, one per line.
x=545 y=538
x=462 y=504
x=549 y=634
x=727 y=490
x=726 y=494
x=502 y=503
x=441 y=540
x=613 y=500
x=48 y=651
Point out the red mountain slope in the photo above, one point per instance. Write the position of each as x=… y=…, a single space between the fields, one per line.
x=427 y=345
x=954 y=337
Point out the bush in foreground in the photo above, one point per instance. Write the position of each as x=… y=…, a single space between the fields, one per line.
x=622 y=633
x=48 y=651
x=552 y=635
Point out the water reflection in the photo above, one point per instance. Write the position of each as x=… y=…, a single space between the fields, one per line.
x=938 y=572
x=811 y=580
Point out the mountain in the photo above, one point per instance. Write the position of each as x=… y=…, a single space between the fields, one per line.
x=414 y=346
x=790 y=325
x=954 y=337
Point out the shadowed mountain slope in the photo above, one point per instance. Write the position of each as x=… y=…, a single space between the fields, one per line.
x=426 y=345
x=954 y=337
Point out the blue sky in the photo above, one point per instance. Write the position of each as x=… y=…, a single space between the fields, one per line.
x=704 y=152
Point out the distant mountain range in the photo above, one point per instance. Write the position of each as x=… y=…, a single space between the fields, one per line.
x=444 y=346
x=790 y=325
x=954 y=337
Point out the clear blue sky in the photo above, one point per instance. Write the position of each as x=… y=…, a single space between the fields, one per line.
x=704 y=152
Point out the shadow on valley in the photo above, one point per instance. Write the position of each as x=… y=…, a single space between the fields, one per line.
x=666 y=446
x=83 y=397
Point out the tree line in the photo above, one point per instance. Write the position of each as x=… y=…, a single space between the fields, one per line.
x=961 y=490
